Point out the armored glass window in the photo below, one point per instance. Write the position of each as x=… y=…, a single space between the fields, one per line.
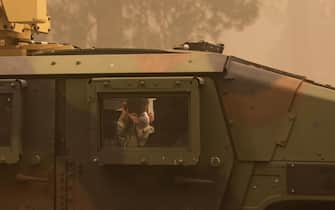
x=147 y=120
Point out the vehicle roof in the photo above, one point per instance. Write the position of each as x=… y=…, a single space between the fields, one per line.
x=112 y=61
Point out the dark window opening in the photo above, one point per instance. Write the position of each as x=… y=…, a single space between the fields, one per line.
x=148 y=120
x=5 y=119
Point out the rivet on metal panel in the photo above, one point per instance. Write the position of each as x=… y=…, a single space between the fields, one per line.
x=276 y=180
x=292 y=165
x=13 y=84
x=292 y=190
x=215 y=161
x=186 y=46
x=36 y=160
x=144 y=161
x=106 y=83
x=95 y=159
x=111 y=65
x=254 y=187
x=142 y=83
x=178 y=162
x=178 y=83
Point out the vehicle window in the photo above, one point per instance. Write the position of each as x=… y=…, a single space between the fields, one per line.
x=5 y=119
x=148 y=120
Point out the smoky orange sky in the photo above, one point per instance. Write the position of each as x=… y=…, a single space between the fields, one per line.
x=291 y=35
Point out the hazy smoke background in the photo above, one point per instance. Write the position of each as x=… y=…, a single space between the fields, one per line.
x=292 y=35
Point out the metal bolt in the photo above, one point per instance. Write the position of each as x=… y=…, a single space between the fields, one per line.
x=178 y=83
x=142 y=83
x=178 y=162
x=95 y=159
x=13 y=84
x=106 y=83
x=276 y=180
x=254 y=187
x=292 y=190
x=215 y=161
x=36 y=160
x=144 y=161
x=186 y=47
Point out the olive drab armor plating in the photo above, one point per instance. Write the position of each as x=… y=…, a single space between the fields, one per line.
x=186 y=129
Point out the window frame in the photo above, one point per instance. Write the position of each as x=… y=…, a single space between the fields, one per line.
x=111 y=155
x=11 y=154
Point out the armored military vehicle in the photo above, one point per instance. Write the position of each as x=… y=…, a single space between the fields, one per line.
x=183 y=129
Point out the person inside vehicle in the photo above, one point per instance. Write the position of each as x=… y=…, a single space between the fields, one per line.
x=134 y=124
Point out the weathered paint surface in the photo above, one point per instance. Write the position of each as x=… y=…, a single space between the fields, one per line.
x=256 y=123
x=179 y=62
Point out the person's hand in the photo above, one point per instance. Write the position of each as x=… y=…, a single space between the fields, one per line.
x=134 y=118
x=124 y=114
